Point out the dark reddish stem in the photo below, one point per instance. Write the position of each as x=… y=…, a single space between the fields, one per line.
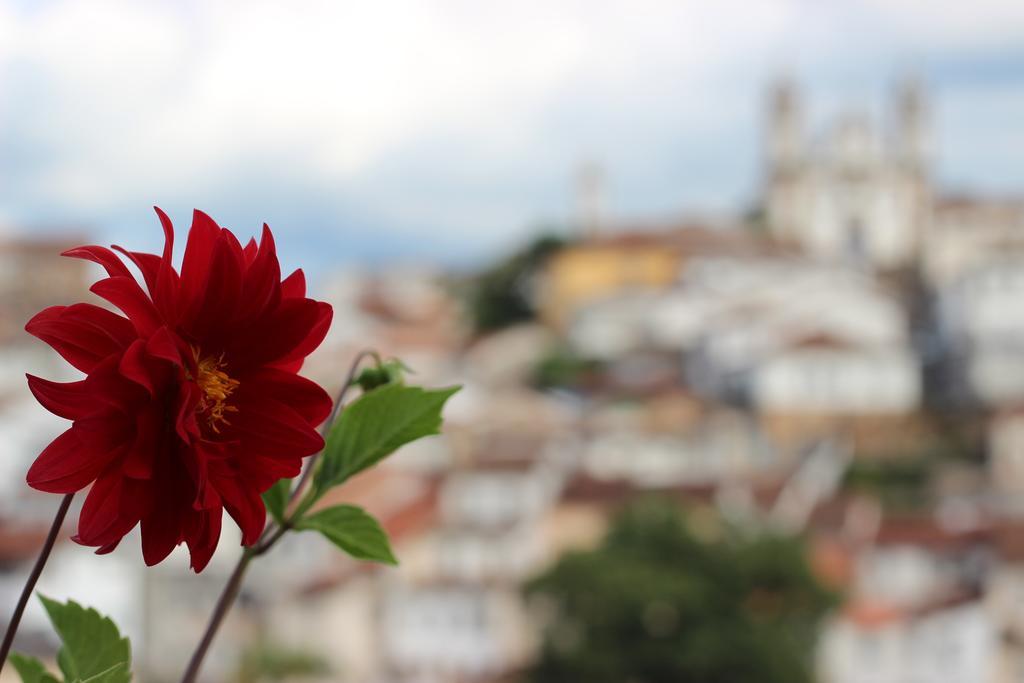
x=26 y=592
x=224 y=603
x=270 y=536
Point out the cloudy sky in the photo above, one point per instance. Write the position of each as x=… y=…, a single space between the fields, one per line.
x=446 y=130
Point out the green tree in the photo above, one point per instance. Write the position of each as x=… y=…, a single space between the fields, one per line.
x=562 y=367
x=659 y=603
x=500 y=296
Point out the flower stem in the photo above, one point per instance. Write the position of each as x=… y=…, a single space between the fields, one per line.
x=224 y=603
x=267 y=540
x=26 y=592
x=326 y=428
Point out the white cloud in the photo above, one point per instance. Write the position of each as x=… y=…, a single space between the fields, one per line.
x=950 y=25
x=107 y=104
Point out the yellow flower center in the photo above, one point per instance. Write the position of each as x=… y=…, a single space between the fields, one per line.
x=217 y=387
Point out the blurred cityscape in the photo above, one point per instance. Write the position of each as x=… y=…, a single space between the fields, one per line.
x=843 y=365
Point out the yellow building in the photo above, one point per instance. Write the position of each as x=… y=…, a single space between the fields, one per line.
x=594 y=269
x=606 y=266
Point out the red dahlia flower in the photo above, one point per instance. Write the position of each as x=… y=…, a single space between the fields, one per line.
x=191 y=404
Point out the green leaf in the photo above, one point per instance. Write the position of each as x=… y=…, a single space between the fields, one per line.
x=276 y=499
x=114 y=674
x=31 y=669
x=376 y=425
x=352 y=530
x=92 y=644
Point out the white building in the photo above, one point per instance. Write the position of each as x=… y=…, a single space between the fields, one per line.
x=744 y=325
x=827 y=376
x=798 y=338
x=725 y=448
x=453 y=632
x=982 y=324
x=951 y=643
x=853 y=195
x=967 y=233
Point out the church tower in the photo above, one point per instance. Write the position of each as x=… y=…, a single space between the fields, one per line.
x=784 y=157
x=590 y=200
x=912 y=125
x=785 y=142
x=856 y=194
x=913 y=154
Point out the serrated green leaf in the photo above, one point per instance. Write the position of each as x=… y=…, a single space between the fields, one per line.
x=376 y=425
x=352 y=530
x=276 y=499
x=31 y=669
x=91 y=643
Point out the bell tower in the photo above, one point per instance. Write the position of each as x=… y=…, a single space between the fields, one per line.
x=912 y=124
x=784 y=159
x=590 y=199
x=784 y=143
x=912 y=148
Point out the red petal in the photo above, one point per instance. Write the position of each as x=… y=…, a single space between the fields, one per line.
x=271 y=428
x=245 y=506
x=294 y=286
x=68 y=464
x=261 y=290
x=133 y=366
x=150 y=425
x=148 y=265
x=203 y=453
x=162 y=528
x=313 y=339
x=110 y=392
x=159 y=536
x=109 y=548
x=138 y=463
x=196 y=263
x=165 y=223
x=68 y=400
x=250 y=251
x=185 y=417
x=125 y=293
x=274 y=337
x=305 y=397
x=202 y=536
x=221 y=292
x=164 y=345
x=166 y=295
x=261 y=472
x=107 y=514
x=83 y=334
x=291 y=366
x=105 y=431
x=102 y=256
x=173 y=490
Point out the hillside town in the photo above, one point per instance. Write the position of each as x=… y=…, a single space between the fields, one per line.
x=844 y=364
